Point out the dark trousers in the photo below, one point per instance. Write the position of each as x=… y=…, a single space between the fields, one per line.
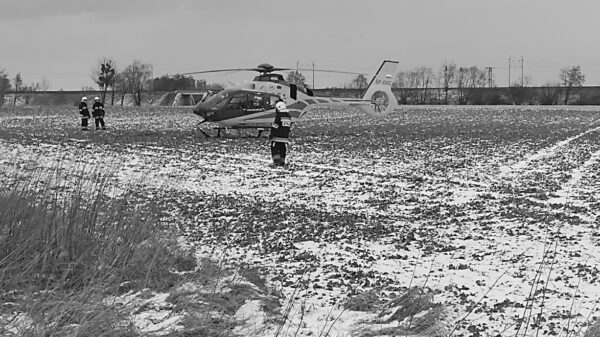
x=278 y=152
x=100 y=122
x=84 y=123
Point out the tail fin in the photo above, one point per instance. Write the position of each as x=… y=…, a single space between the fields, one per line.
x=379 y=91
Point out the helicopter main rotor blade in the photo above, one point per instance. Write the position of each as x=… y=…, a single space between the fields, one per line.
x=332 y=71
x=218 y=71
x=271 y=69
x=266 y=68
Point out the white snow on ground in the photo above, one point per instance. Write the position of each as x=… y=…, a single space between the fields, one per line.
x=254 y=319
x=476 y=235
x=543 y=153
x=567 y=192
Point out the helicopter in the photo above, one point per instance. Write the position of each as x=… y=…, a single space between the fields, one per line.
x=252 y=105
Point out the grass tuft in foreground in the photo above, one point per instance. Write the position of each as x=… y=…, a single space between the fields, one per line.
x=65 y=247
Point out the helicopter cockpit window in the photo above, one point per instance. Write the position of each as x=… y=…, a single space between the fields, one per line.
x=217 y=100
x=237 y=101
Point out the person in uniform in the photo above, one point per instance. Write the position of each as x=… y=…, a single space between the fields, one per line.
x=280 y=132
x=98 y=113
x=85 y=113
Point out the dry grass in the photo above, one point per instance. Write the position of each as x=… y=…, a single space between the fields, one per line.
x=63 y=251
x=594 y=330
x=414 y=313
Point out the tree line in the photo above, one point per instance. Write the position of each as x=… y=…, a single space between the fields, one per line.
x=453 y=84
x=450 y=84
x=137 y=78
x=132 y=80
x=17 y=85
x=112 y=83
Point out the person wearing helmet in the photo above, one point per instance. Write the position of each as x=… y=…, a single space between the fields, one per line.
x=98 y=113
x=85 y=113
x=280 y=132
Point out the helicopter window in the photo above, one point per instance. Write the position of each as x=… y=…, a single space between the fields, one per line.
x=237 y=101
x=272 y=101
x=255 y=101
x=217 y=100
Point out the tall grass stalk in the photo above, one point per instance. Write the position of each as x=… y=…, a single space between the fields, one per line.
x=571 y=308
x=291 y=301
x=534 y=286
x=539 y=325
x=476 y=304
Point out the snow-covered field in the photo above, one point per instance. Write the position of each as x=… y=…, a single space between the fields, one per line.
x=493 y=212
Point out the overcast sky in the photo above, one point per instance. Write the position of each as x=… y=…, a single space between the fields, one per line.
x=62 y=40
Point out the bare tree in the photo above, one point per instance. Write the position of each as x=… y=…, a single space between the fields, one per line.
x=401 y=83
x=103 y=75
x=4 y=85
x=462 y=80
x=296 y=77
x=29 y=92
x=360 y=82
x=571 y=78
x=447 y=77
x=550 y=94
x=426 y=77
x=119 y=87
x=18 y=83
x=413 y=80
x=477 y=78
x=44 y=85
x=135 y=78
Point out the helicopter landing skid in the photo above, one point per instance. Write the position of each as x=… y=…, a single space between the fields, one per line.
x=219 y=128
x=215 y=128
x=198 y=127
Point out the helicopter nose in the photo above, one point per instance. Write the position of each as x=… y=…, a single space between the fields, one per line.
x=200 y=110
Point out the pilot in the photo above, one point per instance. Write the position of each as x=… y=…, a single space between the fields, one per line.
x=98 y=113
x=85 y=113
x=280 y=132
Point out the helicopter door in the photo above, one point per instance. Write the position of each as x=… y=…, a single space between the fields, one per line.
x=270 y=101
x=293 y=91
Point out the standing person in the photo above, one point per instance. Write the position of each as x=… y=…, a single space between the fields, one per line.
x=98 y=113
x=85 y=113
x=280 y=132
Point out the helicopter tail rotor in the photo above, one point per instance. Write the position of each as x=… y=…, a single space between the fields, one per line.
x=379 y=92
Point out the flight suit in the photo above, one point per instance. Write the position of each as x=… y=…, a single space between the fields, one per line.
x=85 y=115
x=98 y=113
x=279 y=136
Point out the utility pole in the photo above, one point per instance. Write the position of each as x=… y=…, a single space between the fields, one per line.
x=522 y=71
x=509 y=59
x=490 y=71
x=313 y=80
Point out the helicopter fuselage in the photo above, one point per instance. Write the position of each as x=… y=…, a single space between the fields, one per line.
x=241 y=108
x=252 y=105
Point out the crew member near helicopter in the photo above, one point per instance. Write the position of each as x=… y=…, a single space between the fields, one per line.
x=280 y=132
x=98 y=113
x=85 y=113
